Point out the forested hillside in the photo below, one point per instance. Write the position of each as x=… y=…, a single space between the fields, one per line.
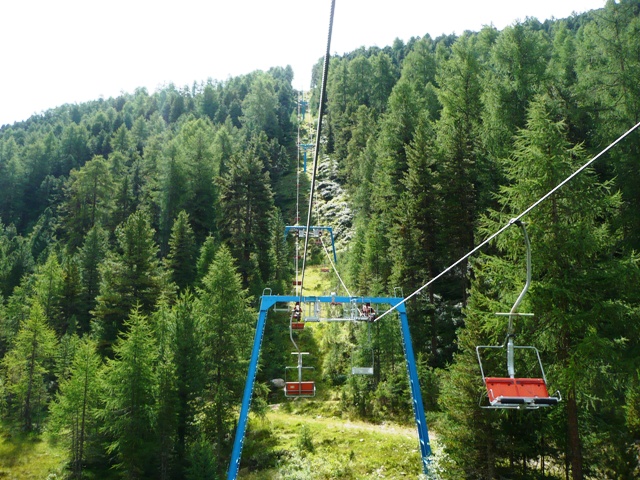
x=137 y=234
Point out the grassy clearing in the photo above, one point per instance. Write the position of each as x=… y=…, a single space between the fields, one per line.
x=25 y=457
x=288 y=445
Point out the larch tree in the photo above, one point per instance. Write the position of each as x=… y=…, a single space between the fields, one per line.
x=75 y=410
x=131 y=276
x=166 y=402
x=181 y=260
x=247 y=209
x=225 y=325
x=197 y=139
x=88 y=199
x=26 y=366
x=90 y=256
x=189 y=371
x=129 y=413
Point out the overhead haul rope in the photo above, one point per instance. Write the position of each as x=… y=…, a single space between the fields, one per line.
x=512 y=221
x=333 y=265
x=325 y=72
x=298 y=196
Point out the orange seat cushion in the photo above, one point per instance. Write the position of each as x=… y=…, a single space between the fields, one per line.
x=529 y=388
x=300 y=388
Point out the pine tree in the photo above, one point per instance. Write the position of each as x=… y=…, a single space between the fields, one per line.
x=247 y=208
x=71 y=294
x=90 y=256
x=413 y=241
x=26 y=366
x=207 y=255
x=225 y=328
x=189 y=371
x=173 y=192
x=607 y=66
x=196 y=140
x=88 y=200
x=181 y=261
x=166 y=403
x=129 y=413
x=518 y=67
x=131 y=277
x=47 y=291
x=74 y=413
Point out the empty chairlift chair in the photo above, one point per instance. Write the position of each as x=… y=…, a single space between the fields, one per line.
x=512 y=391
x=297 y=387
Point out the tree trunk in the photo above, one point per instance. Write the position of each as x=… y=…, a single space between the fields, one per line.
x=575 y=448
x=27 y=401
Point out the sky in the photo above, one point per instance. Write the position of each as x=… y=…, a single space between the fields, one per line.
x=54 y=52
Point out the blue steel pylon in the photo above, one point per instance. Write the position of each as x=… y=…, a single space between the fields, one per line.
x=268 y=301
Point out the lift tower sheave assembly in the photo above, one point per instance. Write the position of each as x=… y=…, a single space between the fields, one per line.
x=314 y=232
x=269 y=301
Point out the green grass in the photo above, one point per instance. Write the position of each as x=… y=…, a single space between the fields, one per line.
x=287 y=445
x=29 y=456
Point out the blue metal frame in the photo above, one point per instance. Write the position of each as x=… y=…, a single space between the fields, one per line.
x=288 y=228
x=305 y=147
x=268 y=301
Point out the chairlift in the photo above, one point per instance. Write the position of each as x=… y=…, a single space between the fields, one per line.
x=298 y=387
x=313 y=312
x=350 y=312
x=296 y=322
x=368 y=312
x=365 y=352
x=511 y=391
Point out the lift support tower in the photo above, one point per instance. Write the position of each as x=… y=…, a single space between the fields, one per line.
x=269 y=301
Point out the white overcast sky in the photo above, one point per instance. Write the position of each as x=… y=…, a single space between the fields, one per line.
x=64 y=51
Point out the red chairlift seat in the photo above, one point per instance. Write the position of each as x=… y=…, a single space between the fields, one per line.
x=300 y=389
x=518 y=392
x=297 y=325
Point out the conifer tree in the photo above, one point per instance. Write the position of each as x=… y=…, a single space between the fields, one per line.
x=90 y=256
x=518 y=61
x=247 y=208
x=71 y=294
x=88 y=199
x=413 y=238
x=130 y=276
x=225 y=327
x=47 y=291
x=196 y=140
x=181 y=261
x=74 y=413
x=26 y=366
x=173 y=191
x=457 y=153
x=166 y=402
x=207 y=255
x=607 y=66
x=189 y=371
x=129 y=414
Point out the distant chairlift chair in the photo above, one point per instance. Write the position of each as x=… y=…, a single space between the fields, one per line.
x=299 y=388
x=364 y=353
x=512 y=392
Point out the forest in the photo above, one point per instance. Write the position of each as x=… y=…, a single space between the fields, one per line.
x=138 y=233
